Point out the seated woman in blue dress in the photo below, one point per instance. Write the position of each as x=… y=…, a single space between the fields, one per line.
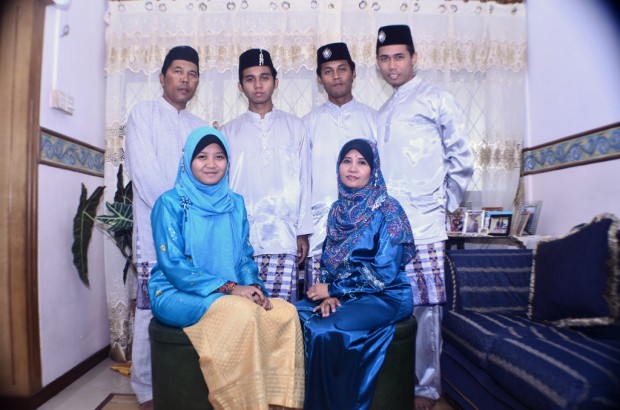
x=349 y=318
x=206 y=281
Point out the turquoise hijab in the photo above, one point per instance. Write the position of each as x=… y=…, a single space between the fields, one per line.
x=212 y=231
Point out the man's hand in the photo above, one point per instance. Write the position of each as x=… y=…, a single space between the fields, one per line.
x=318 y=291
x=302 y=248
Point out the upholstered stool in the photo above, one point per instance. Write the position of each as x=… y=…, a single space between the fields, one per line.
x=396 y=382
x=178 y=382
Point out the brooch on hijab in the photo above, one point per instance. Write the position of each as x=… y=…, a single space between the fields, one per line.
x=185 y=203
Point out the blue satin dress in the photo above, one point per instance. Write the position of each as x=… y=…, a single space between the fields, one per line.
x=345 y=351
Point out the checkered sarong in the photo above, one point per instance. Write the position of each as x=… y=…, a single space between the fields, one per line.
x=426 y=274
x=143 y=268
x=312 y=269
x=280 y=274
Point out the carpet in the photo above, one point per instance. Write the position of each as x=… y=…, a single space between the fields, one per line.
x=117 y=401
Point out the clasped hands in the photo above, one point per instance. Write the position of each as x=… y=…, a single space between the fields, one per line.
x=255 y=294
x=320 y=291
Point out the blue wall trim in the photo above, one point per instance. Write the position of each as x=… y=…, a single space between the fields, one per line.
x=64 y=152
x=601 y=144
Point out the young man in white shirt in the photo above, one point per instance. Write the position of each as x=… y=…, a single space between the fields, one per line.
x=156 y=134
x=427 y=165
x=332 y=124
x=269 y=167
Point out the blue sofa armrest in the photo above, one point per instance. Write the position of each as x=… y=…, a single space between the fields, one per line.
x=488 y=280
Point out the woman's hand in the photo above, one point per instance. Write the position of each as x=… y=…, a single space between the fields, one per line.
x=253 y=293
x=318 y=291
x=328 y=306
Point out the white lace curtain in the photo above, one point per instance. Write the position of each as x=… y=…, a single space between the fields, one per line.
x=477 y=50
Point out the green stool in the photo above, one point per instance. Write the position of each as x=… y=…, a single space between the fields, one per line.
x=178 y=382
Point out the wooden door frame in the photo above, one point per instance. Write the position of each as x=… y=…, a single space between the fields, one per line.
x=21 y=51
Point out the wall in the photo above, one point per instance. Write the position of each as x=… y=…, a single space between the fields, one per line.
x=73 y=317
x=574 y=86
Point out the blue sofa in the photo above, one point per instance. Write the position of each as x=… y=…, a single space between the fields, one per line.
x=494 y=357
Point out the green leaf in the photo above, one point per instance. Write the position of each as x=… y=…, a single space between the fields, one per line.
x=118 y=224
x=121 y=217
x=123 y=194
x=83 y=223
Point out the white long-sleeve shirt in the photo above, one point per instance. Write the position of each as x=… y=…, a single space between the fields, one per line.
x=329 y=128
x=156 y=134
x=270 y=168
x=425 y=156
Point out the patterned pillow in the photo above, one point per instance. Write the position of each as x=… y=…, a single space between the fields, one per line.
x=575 y=277
x=488 y=280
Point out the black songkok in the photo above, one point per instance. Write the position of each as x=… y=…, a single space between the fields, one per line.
x=333 y=52
x=180 y=53
x=361 y=146
x=205 y=141
x=255 y=57
x=396 y=34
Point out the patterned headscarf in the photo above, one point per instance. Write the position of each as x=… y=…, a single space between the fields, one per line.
x=207 y=208
x=353 y=211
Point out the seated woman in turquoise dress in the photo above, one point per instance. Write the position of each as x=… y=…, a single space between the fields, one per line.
x=206 y=281
x=349 y=317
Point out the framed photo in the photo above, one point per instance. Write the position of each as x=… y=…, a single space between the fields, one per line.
x=521 y=221
x=492 y=208
x=474 y=222
x=454 y=222
x=499 y=223
x=533 y=207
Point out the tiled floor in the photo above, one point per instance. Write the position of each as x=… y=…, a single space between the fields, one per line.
x=90 y=390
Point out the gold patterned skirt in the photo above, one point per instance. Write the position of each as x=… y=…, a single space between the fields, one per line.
x=250 y=358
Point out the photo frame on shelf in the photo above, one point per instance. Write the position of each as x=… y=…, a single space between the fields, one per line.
x=533 y=207
x=492 y=208
x=454 y=222
x=521 y=221
x=499 y=223
x=474 y=222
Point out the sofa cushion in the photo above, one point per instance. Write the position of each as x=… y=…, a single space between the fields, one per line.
x=543 y=366
x=574 y=278
x=488 y=281
x=560 y=368
x=476 y=333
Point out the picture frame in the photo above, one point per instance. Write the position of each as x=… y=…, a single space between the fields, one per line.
x=534 y=208
x=499 y=223
x=474 y=222
x=521 y=222
x=454 y=222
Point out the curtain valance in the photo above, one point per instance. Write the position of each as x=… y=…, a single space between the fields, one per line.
x=449 y=35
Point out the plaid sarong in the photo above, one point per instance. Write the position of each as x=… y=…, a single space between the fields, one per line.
x=143 y=268
x=312 y=269
x=280 y=274
x=426 y=274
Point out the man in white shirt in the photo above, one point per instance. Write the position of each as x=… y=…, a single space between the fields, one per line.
x=156 y=134
x=337 y=121
x=269 y=167
x=427 y=165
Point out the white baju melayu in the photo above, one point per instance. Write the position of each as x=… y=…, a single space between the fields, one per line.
x=427 y=165
x=270 y=168
x=156 y=134
x=329 y=128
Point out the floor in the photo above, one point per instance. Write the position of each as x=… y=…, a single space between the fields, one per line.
x=90 y=390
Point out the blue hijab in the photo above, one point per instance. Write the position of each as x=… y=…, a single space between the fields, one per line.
x=354 y=209
x=208 y=213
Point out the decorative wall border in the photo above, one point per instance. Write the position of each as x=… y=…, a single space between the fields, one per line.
x=65 y=152
x=600 y=144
